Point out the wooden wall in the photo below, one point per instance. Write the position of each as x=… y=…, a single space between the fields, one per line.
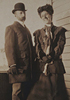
x=62 y=18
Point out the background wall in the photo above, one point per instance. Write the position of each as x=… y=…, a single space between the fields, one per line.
x=62 y=18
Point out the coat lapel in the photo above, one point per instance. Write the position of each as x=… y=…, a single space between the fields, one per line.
x=55 y=31
x=20 y=28
x=19 y=25
x=42 y=34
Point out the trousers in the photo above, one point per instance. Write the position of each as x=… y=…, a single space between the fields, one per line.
x=20 y=91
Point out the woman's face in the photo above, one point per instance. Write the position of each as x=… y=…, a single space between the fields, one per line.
x=46 y=17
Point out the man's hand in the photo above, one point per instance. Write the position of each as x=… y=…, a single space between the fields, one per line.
x=12 y=70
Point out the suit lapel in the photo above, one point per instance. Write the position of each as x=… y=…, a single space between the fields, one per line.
x=20 y=28
x=19 y=25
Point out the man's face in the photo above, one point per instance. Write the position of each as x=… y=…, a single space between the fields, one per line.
x=20 y=15
x=46 y=17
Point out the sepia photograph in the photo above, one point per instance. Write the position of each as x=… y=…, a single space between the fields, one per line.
x=34 y=50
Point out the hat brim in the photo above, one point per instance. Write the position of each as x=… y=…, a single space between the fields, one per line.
x=17 y=10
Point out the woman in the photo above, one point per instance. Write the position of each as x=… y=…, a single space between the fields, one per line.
x=49 y=45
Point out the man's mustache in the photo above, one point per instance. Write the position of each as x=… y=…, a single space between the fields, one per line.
x=24 y=18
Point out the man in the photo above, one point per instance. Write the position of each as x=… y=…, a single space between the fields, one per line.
x=18 y=48
x=49 y=45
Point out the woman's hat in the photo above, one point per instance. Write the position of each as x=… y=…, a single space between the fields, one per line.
x=19 y=6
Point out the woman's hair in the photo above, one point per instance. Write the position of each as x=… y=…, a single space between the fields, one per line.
x=47 y=8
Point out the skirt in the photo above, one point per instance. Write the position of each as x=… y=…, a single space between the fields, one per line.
x=42 y=89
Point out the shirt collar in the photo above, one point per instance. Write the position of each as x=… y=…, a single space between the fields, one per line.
x=21 y=23
x=48 y=26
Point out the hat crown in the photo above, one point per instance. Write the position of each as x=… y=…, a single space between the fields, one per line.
x=19 y=6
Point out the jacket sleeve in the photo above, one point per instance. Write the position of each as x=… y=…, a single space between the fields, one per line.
x=36 y=47
x=10 y=46
x=58 y=50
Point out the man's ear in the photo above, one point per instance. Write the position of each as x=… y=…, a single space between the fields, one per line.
x=15 y=14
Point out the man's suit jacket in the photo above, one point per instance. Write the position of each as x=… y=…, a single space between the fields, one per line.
x=18 y=48
x=56 y=49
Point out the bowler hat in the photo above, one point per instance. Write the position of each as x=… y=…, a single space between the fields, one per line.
x=19 y=6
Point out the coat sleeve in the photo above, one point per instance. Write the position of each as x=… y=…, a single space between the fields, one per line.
x=10 y=46
x=38 y=49
x=58 y=50
x=37 y=44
